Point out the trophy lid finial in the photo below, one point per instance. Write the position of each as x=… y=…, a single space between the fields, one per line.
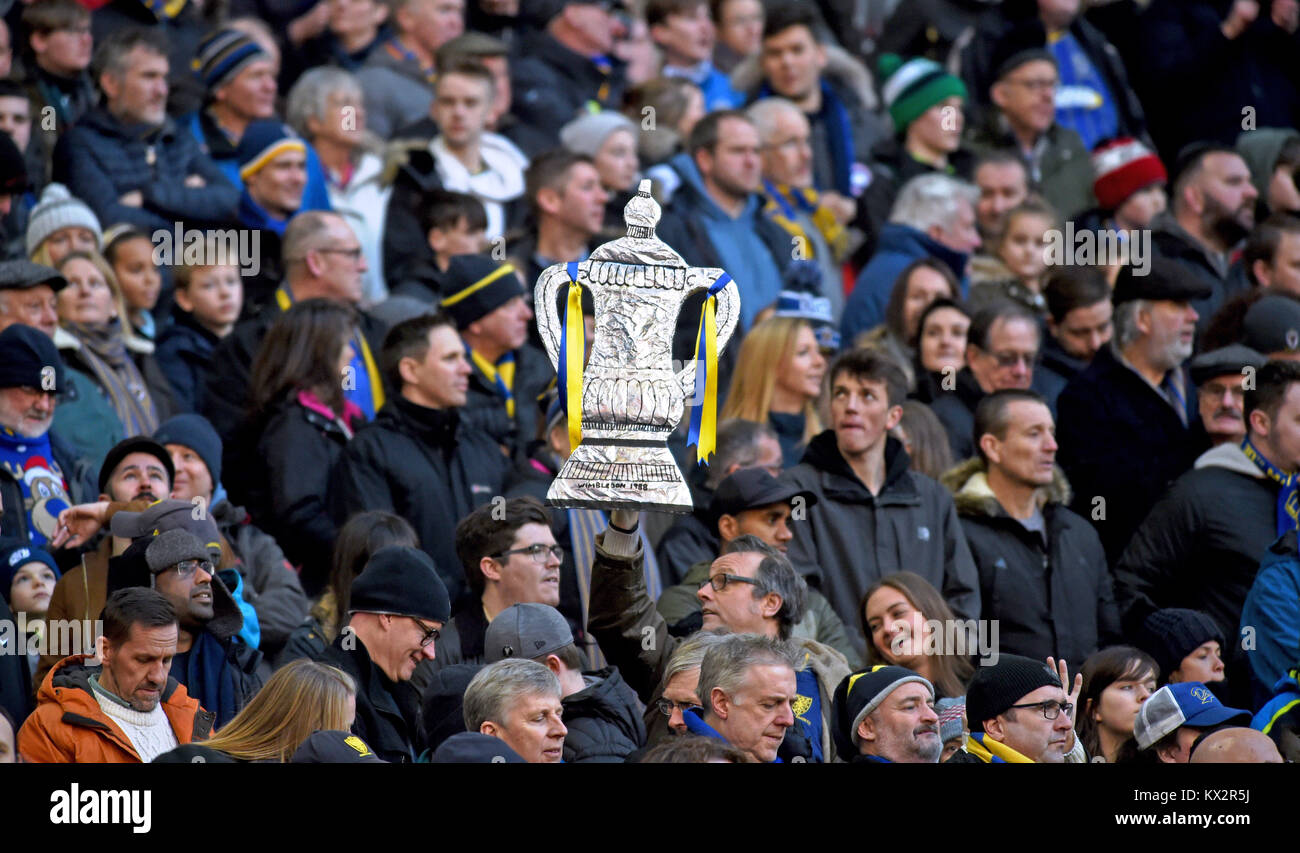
x=642 y=212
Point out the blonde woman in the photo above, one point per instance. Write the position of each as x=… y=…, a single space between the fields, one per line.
x=101 y=344
x=302 y=698
x=778 y=381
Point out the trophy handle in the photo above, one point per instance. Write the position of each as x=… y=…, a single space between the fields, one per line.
x=548 y=319
x=727 y=315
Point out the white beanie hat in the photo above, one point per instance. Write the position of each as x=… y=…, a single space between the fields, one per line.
x=59 y=209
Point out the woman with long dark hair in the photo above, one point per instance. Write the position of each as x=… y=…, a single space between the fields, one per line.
x=919 y=284
x=940 y=348
x=1116 y=681
x=298 y=424
x=899 y=615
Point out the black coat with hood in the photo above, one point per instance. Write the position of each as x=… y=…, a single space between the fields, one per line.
x=603 y=720
x=1202 y=542
x=1054 y=598
x=430 y=467
x=852 y=538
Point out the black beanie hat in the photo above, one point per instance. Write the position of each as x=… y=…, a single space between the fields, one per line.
x=1172 y=634
x=402 y=580
x=477 y=286
x=135 y=444
x=25 y=352
x=996 y=688
x=860 y=693
x=196 y=433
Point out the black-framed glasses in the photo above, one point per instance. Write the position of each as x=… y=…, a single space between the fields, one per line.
x=430 y=634
x=185 y=568
x=539 y=553
x=719 y=581
x=667 y=706
x=1051 y=708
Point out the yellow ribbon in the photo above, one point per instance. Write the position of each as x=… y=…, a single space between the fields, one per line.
x=573 y=346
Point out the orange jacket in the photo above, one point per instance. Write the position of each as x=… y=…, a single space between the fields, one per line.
x=69 y=727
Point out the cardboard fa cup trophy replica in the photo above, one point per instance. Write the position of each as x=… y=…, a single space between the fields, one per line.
x=627 y=401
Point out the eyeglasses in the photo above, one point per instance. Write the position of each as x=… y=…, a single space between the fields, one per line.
x=1011 y=359
x=539 y=553
x=185 y=568
x=667 y=706
x=719 y=582
x=430 y=634
x=1051 y=708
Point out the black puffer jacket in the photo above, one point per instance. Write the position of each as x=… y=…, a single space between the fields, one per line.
x=288 y=496
x=603 y=721
x=427 y=466
x=1055 y=599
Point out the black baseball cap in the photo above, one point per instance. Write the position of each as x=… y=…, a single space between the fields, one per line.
x=752 y=488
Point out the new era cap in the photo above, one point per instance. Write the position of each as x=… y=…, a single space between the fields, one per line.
x=1189 y=703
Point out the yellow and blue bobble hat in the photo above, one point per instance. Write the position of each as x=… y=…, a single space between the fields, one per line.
x=262 y=142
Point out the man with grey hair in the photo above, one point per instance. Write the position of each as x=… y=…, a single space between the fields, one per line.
x=748 y=685
x=1128 y=424
x=751 y=589
x=322 y=260
x=600 y=710
x=681 y=682
x=933 y=217
x=127 y=159
x=819 y=220
x=520 y=702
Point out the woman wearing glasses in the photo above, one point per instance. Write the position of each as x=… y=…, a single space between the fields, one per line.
x=299 y=422
x=302 y=698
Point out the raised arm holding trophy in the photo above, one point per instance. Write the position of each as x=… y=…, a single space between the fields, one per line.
x=625 y=403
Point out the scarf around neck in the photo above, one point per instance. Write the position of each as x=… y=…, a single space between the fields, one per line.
x=104 y=349
x=1288 y=496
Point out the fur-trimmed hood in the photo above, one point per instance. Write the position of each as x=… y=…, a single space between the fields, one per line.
x=969 y=484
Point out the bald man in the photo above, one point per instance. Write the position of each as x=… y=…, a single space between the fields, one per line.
x=1236 y=746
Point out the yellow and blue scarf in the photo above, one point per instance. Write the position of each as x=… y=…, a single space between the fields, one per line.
x=1288 y=497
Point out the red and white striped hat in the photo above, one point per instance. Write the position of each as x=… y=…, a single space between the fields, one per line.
x=1123 y=166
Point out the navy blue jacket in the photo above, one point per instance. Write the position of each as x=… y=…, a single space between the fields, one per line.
x=100 y=159
x=1122 y=442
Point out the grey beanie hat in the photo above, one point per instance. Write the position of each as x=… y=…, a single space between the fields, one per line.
x=585 y=134
x=58 y=208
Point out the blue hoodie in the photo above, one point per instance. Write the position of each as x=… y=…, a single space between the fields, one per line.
x=744 y=254
x=899 y=245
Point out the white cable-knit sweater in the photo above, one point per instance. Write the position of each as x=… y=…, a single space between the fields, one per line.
x=149 y=732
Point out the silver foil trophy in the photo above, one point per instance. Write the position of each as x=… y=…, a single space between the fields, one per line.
x=632 y=398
